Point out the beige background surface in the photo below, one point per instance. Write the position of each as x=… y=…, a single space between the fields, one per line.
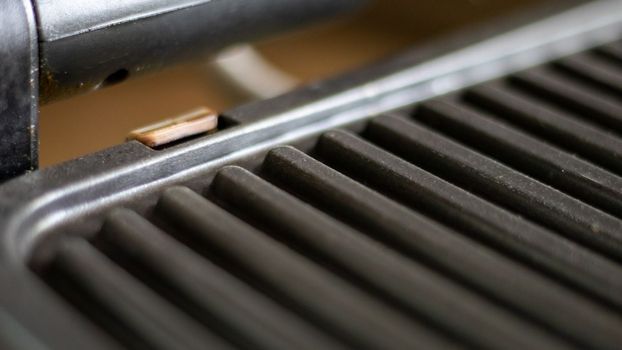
x=98 y=120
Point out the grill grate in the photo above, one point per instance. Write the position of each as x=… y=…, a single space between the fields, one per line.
x=490 y=218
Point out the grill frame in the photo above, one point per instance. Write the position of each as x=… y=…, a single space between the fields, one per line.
x=33 y=208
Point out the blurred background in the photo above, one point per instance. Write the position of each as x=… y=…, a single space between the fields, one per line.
x=94 y=121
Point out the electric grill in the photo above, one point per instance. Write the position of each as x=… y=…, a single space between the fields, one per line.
x=468 y=194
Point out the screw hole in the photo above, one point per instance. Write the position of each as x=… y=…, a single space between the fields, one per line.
x=116 y=77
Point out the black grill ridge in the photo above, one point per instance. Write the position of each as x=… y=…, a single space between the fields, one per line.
x=490 y=218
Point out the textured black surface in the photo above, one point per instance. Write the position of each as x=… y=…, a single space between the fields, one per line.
x=488 y=218
x=18 y=89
